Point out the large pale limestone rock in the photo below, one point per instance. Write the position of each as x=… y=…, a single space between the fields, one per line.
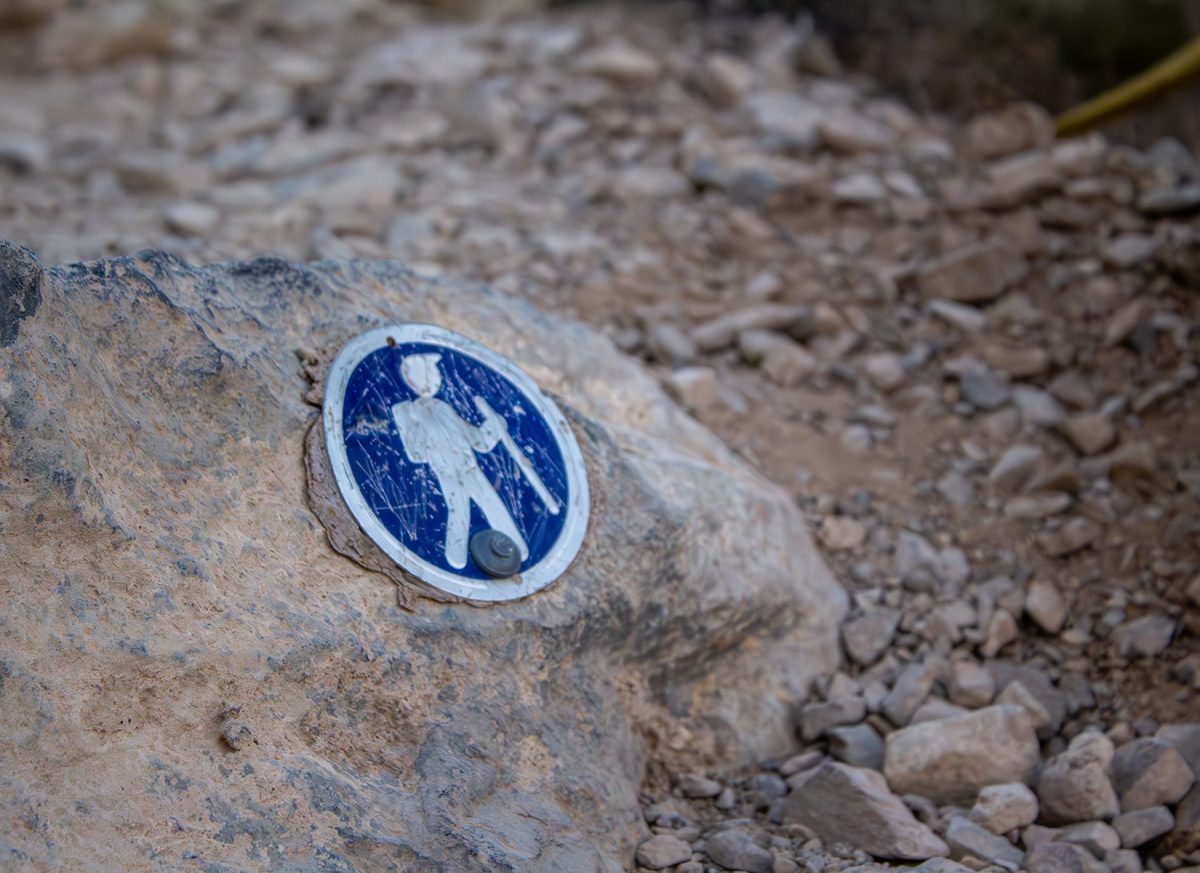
x=191 y=675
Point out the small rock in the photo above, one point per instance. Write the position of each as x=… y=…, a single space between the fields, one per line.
x=800 y=763
x=1001 y=808
x=918 y=563
x=855 y=806
x=856 y=438
x=1144 y=637
x=662 y=851
x=1176 y=200
x=694 y=388
x=1046 y=606
x=786 y=118
x=722 y=331
x=816 y=718
x=851 y=132
x=952 y=760
x=1185 y=738
x=620 y=63
x=1149 y=772
x=724 y=79
x=1129 y=250
x=1035 y=506
x=1143 y=825
x=670 y=345
x=1095 y=836
x=911 y=688
x=984 y=388
x=696 y=786
x=840 y=532
x=885 y=370
x=868 y=636
x=935 y=709
x=973 y=274
x=193 y=219
x=1003 y=132
x=968 y=840
x=1052 y=856
x=970 y=685
x=1017 y=694
x=858 y=746
x=1016 y=468
x=1091 y=432
x=1001 y=630
x=968 y=318
x=956 y=489
x=1037 y=406
x=1074 y=785
x=736 y=850
x=1078 y=533
x=1123 y=861
x=859 y=189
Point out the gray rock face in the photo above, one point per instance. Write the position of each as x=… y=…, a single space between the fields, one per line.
x=951 y=760
x=855 y=807
x=166 y=567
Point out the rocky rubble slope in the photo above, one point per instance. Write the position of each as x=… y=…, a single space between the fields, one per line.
x=969 y=352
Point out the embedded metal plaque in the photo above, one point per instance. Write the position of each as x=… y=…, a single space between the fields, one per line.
x=434 y=440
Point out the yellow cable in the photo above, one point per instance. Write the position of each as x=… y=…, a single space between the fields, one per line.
x=1171 y=72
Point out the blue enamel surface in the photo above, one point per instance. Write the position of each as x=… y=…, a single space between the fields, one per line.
x=405 y=496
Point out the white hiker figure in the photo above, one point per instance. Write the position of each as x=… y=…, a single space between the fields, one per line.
x=434 y=434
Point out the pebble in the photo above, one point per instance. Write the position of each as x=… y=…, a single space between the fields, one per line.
x=952 y=760
x=191 y=218
x=1077 y=533
x=1129 y=250
x=1001 y=630
x=1015 y=468
x=736 y=850
x=1144 y=637
x=970 y=685
x=1011 y=129
x=1054 y=857
x=869 y=636
x=1091 y=432
x=1095 y=836
x=858 y=746
x=984 y=388
x=816 y=718
x=973 y=274
x=859 y=189
x=696 y=786
x=1143 y=825
x=724 y=79
x=1016 y=694
x=1005 y=807
x=912 y=687
x=1035 y=506
x=968 y=840
x=885 y=371
x=840 y=532
x=663 y=851
x=1046 y=606
x=670 y=345
x=619 y=62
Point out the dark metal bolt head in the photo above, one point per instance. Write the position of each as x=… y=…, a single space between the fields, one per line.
x=495 y=553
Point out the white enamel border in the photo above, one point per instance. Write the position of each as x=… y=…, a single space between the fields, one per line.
x=564 y=550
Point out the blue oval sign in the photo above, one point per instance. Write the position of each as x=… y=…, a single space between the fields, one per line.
x=434 y=438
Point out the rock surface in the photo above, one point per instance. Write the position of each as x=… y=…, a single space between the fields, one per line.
x=156 y=422
x=951 y=760
x=854 y=806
